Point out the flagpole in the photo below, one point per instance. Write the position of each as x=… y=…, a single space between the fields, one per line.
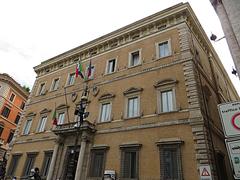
x=66 y=104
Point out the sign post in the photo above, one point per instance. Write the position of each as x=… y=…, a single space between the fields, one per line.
x=230 y=118
x=233 y=148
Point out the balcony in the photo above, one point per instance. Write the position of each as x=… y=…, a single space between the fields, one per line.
x=73 y=127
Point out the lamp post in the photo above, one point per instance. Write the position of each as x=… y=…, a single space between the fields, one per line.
x=80 y=112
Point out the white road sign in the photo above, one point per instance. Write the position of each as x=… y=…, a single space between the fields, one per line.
x=234 y=155
x=205 y=172
x=230 y=117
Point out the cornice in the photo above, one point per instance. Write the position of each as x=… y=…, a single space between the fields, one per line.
x=15 y=85
x=132 y=32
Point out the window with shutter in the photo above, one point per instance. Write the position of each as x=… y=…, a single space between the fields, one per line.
x=29 y=163
x=46 y=163
x=97 y=163
x=170 y=162
x=13 y=165
x=130 y=162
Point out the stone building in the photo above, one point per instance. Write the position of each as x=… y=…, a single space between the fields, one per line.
x=228 y=12
x=12 y=102
x=152 y=98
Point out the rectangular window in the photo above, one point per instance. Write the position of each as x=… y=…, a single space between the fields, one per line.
x=41 y=90
x=12 y=97
x=61 y=117
x=111 y=66
x=10 y=136
x=97 y=163
x=22 y=105
x=164 y=49
x=134 y=59
x=170 y=162
x=105 y=112
x=46 y=163
x=1 y=129
x=17 y=119
x=55 y=84
x=129 y=163
x=13 y=165
x=42 y=123
x=71 y=78
x=29 y=164
x=133 y=107
x=27 y=127
x=5 y=112
x=167 y=101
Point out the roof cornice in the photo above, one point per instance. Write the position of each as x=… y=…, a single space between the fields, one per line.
x=116 y=38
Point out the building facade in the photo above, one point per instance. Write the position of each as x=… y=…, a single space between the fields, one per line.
x=12 y=102
x=228 y=12
x=152 y=96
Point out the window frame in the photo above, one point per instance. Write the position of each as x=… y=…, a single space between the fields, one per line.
x=16 y=121
x=166 y=85
x=23 y=104
x=46 y=163
x=41 y=89
x=157 y=46
x=107 y=66
x=42 y=124
x=1 y=129
x=68 y=79
x=55 y=87
x=137 y=97
x=93 y=160
x=174 y=144
x=13 y=164
x=29 y=163
x=100 y=111
x=126 y=148
x=130 y=58
x=14 y=95
x=10 y=136
x=8 y=113
x=25 y=126
x=58 y=114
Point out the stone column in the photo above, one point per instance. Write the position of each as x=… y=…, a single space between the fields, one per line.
x=81 y=157
x=54 y=158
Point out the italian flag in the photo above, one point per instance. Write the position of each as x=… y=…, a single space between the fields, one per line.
x=79 y=70
x=54 y=118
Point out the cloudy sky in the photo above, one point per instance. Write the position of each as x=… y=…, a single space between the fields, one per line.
x=34 y=31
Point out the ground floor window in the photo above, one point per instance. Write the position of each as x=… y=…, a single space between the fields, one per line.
x=13 y=165
x=130 y=161
x=29 y=163
x=97 y=163
x=170 y=162
x=46 y=163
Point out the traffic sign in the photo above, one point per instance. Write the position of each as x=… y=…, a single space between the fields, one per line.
x=205 y=172
x=230 y=118
x=233 y=148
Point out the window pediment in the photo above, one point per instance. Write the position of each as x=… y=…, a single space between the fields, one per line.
x=132 y=90
x=106 y=96
x=62 y=106
x=165 y=82
x=45 y=111
x=31 y=114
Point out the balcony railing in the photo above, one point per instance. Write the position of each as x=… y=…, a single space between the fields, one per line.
x=74 y=127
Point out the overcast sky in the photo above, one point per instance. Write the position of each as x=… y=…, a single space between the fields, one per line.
x=34 y=31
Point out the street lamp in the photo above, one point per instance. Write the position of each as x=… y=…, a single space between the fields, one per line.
x=213 y=37
x=80 y=112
